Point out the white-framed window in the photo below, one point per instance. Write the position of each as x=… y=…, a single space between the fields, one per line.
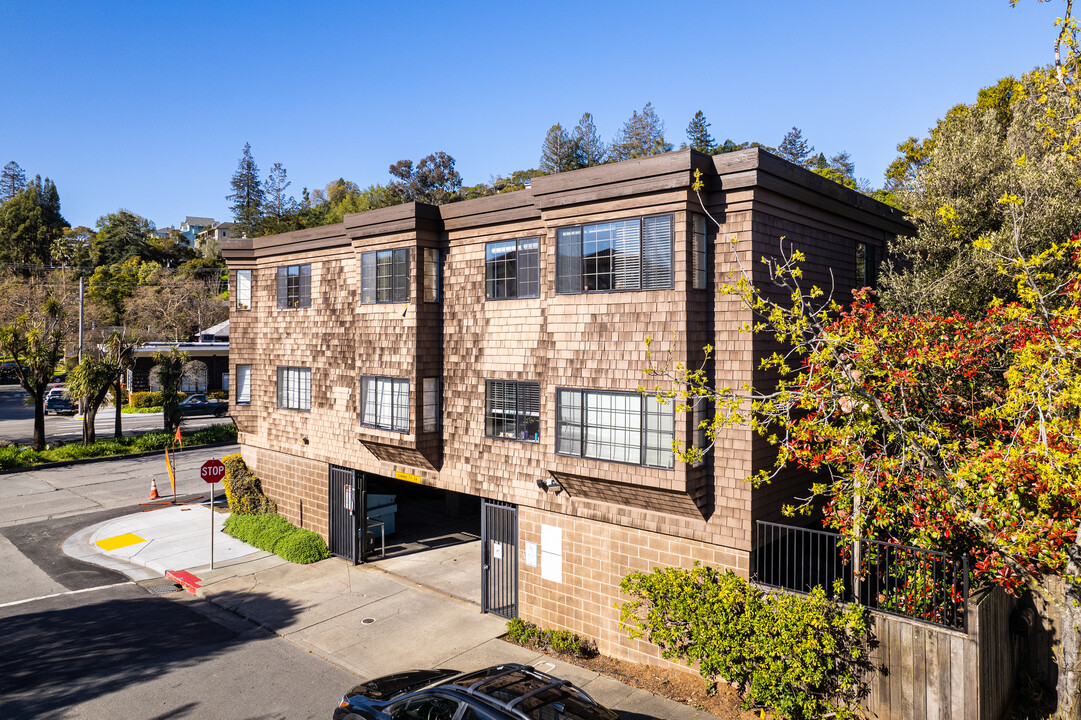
x=432 y=402
x=616 y=426
x=295 y=388
x=698 y=250
x=194 y=378
x=243 y=289
x=243 y=384
x=384 y=403
x=512 y=269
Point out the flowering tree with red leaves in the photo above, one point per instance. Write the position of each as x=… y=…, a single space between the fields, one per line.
x=954 y=434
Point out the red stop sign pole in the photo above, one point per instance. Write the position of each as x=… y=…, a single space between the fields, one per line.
x=212 y=471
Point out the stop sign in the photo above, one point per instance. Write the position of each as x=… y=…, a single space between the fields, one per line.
x=212 y=471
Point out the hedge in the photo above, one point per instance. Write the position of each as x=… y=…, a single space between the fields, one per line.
x=803 y=656
x=243 y=489
x=273 y=533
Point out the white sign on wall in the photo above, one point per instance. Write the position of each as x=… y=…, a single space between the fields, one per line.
x=531 y=554
x=497 y=550
x=551 y=553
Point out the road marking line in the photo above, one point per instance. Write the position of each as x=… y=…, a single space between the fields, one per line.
x=69 y=592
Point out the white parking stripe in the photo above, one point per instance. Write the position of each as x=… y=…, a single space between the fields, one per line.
x=69 y=592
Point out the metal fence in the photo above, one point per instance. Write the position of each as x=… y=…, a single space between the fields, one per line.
x=898 y=579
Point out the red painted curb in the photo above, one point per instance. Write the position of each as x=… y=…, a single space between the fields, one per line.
x=185 y=578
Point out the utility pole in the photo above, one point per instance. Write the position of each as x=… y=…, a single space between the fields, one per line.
x=80 y=319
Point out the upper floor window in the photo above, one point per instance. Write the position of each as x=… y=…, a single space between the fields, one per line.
x=621 y=427
x=866 y=266
x=512 y=269
x=243 y=289
x=295 y=388
x=384 y=403
x=621 y=255
x=512 y=410
x=433 y=281
x=699 y=277
x=384 y=276
x=243 y=384
x=432 y=403
x=295 y=286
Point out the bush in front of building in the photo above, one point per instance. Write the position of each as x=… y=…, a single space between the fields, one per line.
x=150 y=399
x=273 y=533
x=218 y=395
x=547 y=640
x=243 y=489
x=803 y=656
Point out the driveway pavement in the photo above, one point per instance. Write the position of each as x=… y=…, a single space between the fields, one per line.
x=367 y=620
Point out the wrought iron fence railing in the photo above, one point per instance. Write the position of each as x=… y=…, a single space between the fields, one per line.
x=899 y=579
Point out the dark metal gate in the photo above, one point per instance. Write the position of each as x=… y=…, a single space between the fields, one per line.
x=347 y=525
x=499 y=558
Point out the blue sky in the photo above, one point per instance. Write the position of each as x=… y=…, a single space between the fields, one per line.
x=146 y=106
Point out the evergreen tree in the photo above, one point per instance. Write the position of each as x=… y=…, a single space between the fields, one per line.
x=794 y=148
x=698 y=136
x=641 y=136
x=434 y=180
x=12 y=180
x=589 y=149
x=278 y=204
x=557 y=152
x=842 y=163
x=121 y=235
x=30 y=224
x=247 y=195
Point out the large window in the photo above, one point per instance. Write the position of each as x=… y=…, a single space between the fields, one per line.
x=384 y=276
x=621 y=427
x=384 y=403
x=621 y=255
x=512 y=269
x=512 y=410
x=431 y=405
x=243 y=384
x=698 y=250
x=295 y=286
x=243 y=289
x=433 y=281
x=295 y=388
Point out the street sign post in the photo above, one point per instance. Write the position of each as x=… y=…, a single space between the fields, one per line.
x=212 y=471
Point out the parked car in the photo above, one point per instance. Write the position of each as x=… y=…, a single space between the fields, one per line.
x=202 y=405
x=58 y=403
x=58 y=389
x=501 y=692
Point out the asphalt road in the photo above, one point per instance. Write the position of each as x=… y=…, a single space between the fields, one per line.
x=17 y=421
x=81 y=641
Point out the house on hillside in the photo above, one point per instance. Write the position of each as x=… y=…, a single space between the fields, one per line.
x=207 y=371
x=490 y=352
x=192 y=226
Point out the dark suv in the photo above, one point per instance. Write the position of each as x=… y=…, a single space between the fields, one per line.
x=502 y=692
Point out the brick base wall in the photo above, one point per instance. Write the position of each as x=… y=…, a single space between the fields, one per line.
x=298 y=485
x=595 y=558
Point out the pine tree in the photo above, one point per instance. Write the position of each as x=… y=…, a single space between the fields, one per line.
x=278 y=204
x=589 y=149
x=247 y=195
x=557 y=152
x=794 y=148
x=30 y=224
x=641 y=136
x=12 y=180
x=698 y=136
x=842 y=162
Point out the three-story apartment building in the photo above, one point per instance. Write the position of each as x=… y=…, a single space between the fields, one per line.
x=495 y=348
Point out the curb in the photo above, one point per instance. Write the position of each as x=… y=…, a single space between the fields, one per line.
x=185 y=578
x=104 y=458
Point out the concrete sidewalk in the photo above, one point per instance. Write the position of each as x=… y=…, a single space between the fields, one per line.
x=366 y=620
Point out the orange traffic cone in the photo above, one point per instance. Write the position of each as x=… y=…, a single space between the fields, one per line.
x=154 y=489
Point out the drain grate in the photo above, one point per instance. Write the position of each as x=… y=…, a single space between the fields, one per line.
x=163 y=589
x=367 y=621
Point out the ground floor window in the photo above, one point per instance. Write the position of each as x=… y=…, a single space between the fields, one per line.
x=194 y=379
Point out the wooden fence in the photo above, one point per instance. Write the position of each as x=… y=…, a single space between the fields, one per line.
x=935 y=673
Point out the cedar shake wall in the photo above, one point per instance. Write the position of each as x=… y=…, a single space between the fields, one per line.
x=615 y=517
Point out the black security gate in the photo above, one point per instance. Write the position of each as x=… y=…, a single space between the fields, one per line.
x=347 y=525
x=499 y=558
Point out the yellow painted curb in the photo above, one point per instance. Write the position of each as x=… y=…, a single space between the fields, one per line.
x=119 y=541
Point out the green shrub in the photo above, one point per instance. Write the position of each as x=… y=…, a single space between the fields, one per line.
x=242 y=488
x=155 y=440
x=13 y=457
x=803 y=656
x=302 y=547
x=274 y=533
x=145 y=399
x=218 y=395
x=557 y=641
x=212 y=434
x=140 y=410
